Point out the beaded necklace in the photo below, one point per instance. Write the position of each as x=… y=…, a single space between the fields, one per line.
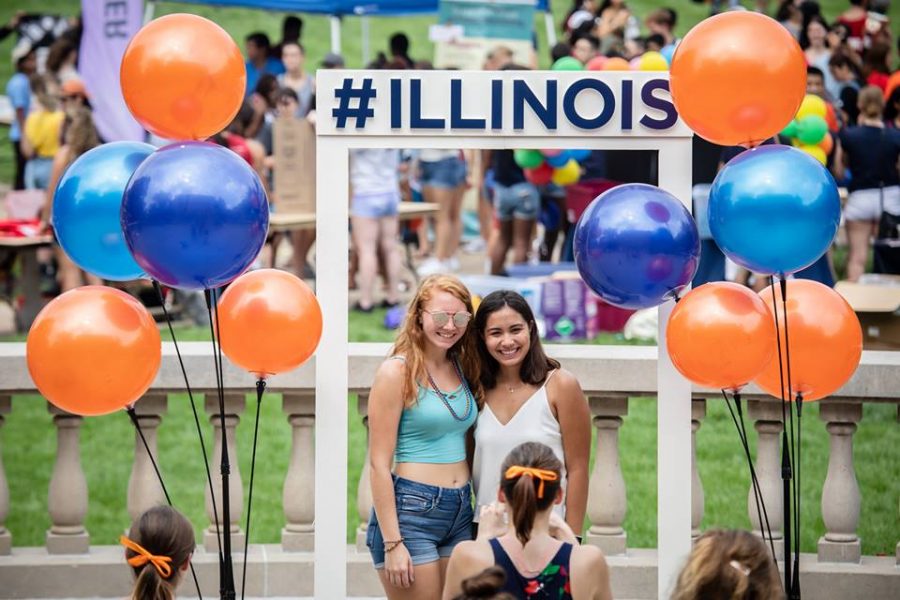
x=469 y=400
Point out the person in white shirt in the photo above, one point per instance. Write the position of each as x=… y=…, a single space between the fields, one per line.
x=527 y=398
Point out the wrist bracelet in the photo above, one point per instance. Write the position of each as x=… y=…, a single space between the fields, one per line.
x=392 y=545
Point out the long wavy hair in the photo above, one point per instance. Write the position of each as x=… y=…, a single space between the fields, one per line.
x=410 y=341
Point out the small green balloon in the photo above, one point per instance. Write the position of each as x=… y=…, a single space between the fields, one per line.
x=791 y=130
x=528 y=159
x=811 y=129
x=567 y=63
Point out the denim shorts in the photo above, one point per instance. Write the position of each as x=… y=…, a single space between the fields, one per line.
x=520 y=201
x=432 y=521
x=447 y=173
x=375 y=206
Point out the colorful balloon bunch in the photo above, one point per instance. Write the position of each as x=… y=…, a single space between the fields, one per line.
x=542 y=167
x=648 y=61
x=812 y=128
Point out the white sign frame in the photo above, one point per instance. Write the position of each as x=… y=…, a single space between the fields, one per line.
x=332 y=173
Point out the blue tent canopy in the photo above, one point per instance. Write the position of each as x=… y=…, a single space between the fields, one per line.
x=345 y=7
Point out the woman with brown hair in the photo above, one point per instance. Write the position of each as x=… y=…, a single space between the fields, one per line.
x=158 y=548
x=422 y=404
x=539 y=553
x=729 y=565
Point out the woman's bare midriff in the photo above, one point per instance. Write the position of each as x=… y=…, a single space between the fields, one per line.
x=452 y=475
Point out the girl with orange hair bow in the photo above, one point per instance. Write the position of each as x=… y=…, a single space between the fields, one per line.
x=158 y=548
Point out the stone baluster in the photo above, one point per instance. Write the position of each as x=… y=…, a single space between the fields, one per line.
x=5 y=535
x=299 y=484
x=67 y=500
x=766 y=416
x=364 y=489
x=840 y=494
x=698 y=413
x=234 y=406
x=606 y=491
x=144 y=489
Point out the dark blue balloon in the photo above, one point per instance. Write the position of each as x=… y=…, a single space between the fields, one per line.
x=579 y=155
x=774 y=209
x=86 y=207
x=636 y=246
x=195 y=215
x=559 y=159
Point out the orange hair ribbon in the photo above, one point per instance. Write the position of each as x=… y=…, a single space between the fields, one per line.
x=543 y=475
x=160 y=563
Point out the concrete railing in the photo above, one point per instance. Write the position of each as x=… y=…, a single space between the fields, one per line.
x=609 y=377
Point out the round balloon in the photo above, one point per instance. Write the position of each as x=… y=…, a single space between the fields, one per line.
x=183 y=77
x=540 y=175
x=668 y=52
x=774 y=209
x=559 y=160
x=86 y=207
x=827 y=144
x=653 y=61
x=579 y=155
x=817 y=152
x=811 y=129
x=812 y=105
x=269 y=322
x=93 y=350
x=636 y=246
x=596 y=63
x=528 y=159
x=195 y=215
x=616 y=64
x=721 y=335
x=790 y=130
x=567 y=63
x=825 y=341
x=567 y=174
x=723 y=74
x=831 y=118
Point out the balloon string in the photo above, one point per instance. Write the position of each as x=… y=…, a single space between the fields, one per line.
x=260 y=389
x=795 y=589
x=137 y=425
x=799 y=406
x=226 y=574
x=761 y=512
x=785 y=448
x=187 y=385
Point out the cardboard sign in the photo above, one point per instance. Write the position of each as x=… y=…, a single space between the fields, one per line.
x=294 y=143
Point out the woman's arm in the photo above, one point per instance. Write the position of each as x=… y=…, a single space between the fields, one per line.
x=385 y=410
x=468 y=559
x=574 y=418
x=840 y=160
x=60 y=160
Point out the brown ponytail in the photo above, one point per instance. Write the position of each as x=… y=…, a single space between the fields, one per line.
x=528 y=493
x=158 y=546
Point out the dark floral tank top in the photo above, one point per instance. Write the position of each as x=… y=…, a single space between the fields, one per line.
x=552 y=583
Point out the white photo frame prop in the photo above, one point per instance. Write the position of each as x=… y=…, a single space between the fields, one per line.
x=475 y=109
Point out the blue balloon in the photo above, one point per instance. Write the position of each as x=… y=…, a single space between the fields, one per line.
x=86 y=208
x=636 y=246
x=579 y=155
x=774 y=209
x=195 y=215
x=668 y=52
x=558 y=160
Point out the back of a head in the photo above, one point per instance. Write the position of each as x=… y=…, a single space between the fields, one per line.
x=871 y=102
x=729 y=565
x=161 y=532
x=486 y=585
x=399 y=44
x=530 y=477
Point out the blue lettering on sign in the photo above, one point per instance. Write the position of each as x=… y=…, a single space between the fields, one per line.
x=660 y=104
x=609 y=104
x=355 y=104
x=457 y=121
x=522 y=94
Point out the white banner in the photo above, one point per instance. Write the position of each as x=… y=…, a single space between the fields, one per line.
x=108 y=27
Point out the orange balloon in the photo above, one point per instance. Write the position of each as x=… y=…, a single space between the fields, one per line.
x=721 y=335
x=183 y=77
x=738 y=78
x=269 y=322
x=616 y=64
x=93 y=350
x=827 y=143
x=825 y=341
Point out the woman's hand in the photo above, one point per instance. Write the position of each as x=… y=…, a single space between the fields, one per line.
x=493 y=521
x=398 y=566
x=560 y=530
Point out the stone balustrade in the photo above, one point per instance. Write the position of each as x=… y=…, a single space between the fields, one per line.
x=609 y=377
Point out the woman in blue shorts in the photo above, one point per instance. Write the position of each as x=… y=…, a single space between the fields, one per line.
x=443 y=174
x=422 y=404
x=517 y=205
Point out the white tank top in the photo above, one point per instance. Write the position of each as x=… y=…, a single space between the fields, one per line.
x=533 y=422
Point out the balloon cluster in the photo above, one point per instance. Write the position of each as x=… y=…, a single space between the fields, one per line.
x=773 y=210
x=191 y=215
x=812 y=128
x=542 y=167
x=648 y=61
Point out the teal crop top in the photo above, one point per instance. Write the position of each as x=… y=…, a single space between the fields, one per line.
x=428 y=433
